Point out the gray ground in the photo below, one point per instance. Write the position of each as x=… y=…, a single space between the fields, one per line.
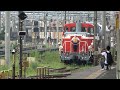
x=111 y=74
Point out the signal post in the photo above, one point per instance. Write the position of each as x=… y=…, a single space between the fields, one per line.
x=22 y=33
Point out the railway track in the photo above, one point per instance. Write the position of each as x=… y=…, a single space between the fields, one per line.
x=28 y=50
x=53 y=74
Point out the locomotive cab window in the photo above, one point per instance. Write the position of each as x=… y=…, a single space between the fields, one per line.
x=91 y=30
x=66 y=29
x=83 y=29
x=73 y=29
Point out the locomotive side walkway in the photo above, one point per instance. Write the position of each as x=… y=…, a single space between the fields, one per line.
x=93 y=73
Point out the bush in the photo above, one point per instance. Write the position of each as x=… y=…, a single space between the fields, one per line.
x=34 y=65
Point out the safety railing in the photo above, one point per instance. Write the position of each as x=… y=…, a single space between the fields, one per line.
x=43 y=72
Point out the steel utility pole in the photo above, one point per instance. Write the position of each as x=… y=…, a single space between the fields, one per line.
x=78 y=25
x=57 y=29
x=103 y=29
x=45 y=27
x=88 y=16
x=13 y=23
x=65 y=17
x=118 y=45
x=68 y=17
x=95 y=38
x=0 y=21
x=7 y=37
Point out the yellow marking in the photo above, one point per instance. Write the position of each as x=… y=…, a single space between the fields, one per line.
x=95 y=74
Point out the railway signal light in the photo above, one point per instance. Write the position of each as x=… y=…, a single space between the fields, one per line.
x=22 y=33
x=22 y=16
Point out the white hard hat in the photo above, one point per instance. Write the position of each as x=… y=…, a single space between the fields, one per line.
x=89 y=47
x=59 y=43
x=92 y=43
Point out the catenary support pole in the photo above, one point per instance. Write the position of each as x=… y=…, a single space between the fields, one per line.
x=103 y=28
x=7 y=37
x=95 y=38
x=118 y=45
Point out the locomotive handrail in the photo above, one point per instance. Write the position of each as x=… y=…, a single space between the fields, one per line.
x=76 y=32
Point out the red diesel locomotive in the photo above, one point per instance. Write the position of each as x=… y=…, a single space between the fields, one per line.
x=77 y=45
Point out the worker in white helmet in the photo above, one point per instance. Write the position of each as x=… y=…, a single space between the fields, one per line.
x=75 y=41
x=60 y=48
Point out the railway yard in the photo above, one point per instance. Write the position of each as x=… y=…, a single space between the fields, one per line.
x=59 y=44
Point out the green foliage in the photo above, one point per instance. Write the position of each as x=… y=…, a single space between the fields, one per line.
x=34 y=65
x=32 y=53
x=15 y=45
x=30 y=71
x=51 y=60
x=3 y=67
x=37 y=55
